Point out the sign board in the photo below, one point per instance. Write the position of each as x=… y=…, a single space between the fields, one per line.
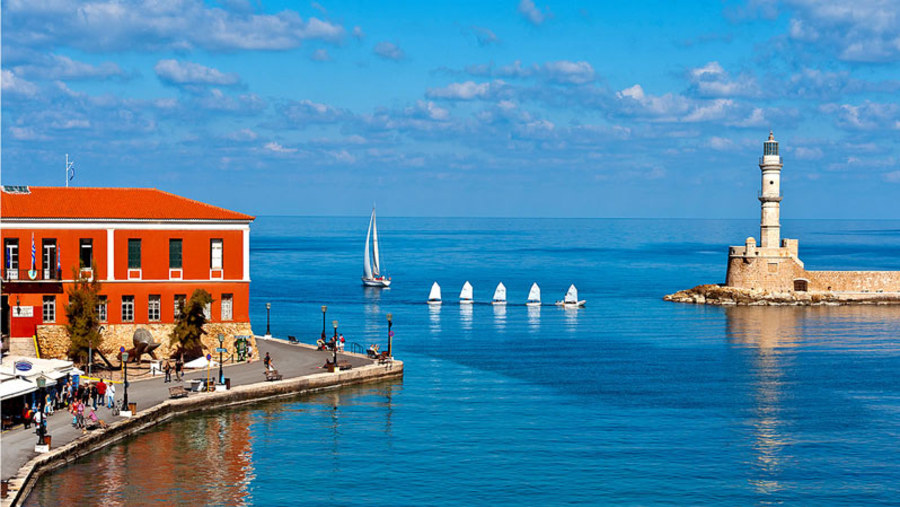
x=220 y=349
x=208 y=357
x=23 y=311
x=23 y=366
x=391 y=334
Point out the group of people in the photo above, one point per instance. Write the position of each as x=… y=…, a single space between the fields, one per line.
x=335 y=341
x=76 y=397
x=178 y=368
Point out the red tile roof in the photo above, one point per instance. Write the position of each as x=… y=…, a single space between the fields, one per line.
x=109 y=203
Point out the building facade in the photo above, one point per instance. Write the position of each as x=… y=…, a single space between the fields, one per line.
x=774 y=264
x=148 y=249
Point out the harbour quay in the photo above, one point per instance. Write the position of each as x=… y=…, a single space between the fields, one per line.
x=301 y=366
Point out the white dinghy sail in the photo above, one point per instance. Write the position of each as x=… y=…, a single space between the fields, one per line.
x=372 y=276
x=465 y=295
x=571 y=300
x=534 y=296
x=499 y=295
x=434 y=297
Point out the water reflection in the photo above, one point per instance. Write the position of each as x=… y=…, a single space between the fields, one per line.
x=571 y=318
x=465 y=316
x=372 y=310
x=500 y=317
x=534 y=318
x=434 y=318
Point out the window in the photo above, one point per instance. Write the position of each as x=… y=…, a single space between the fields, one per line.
x=207 y=311
x=86 y=253
x=101 y=309
x=215 y=254
x=127 y=308
x=179 y=303
x=49 y=259
x=153 y=308
x=49 y=308
x=11 y=258
x=175 y=254
x=134 y=253
x=227 y=306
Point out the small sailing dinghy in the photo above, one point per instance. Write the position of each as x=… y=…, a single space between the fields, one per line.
x=534 y=296
x=465 y=295
x=571 y=299
x=434 y=297
x=372 y=276
x=499 y=295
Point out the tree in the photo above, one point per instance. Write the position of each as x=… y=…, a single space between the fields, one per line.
x=83 y=317
x=188 y=331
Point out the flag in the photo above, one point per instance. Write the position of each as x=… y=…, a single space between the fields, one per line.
x=58 y=261
x=32 y=251
x=70 y=171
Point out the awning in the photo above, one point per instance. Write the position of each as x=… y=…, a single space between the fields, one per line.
x=201 y=362
x=15 y=387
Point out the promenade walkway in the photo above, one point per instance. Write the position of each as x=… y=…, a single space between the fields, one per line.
x=17 y=445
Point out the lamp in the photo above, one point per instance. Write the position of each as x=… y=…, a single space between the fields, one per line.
x=268 y=332
x=221 y=349
x=390 y=318
x=324 y=309
x=334 y=348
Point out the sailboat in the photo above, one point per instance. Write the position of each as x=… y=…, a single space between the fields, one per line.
x=434 y=297
x=571 y=299
x=372 y=276
x=465 y=295
x=499 y=295
x=534 y=296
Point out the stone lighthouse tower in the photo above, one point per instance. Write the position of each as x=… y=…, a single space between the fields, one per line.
x=770 y=195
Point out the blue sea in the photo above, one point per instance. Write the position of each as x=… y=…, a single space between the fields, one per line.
x=630 y=400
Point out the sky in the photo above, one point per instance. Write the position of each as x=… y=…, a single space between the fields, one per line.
x=519 y=108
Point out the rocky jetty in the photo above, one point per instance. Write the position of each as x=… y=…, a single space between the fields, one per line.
x=720 y=295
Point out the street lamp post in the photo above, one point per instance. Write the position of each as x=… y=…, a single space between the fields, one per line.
x=390 y=334
x=335 y=324
x=268 y=331
x=324 y=309
x=125 y=375
x=221 y=348
x=42 y=383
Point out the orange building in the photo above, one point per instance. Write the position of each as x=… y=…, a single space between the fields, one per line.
x=148 y=248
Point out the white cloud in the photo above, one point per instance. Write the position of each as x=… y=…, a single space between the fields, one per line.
x=149 y=25
x=856 y=31
x=10 y=83
x=389 y=51
x=189 y=73
x=565 y=71
x=463 y=91
x=531 y=12
x=711 y=80
x=53 y=66
x=321 y=55
x=278 y=148
x=804 y=153
x=892 y=177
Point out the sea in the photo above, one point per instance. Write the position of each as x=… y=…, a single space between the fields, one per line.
x=630 y=400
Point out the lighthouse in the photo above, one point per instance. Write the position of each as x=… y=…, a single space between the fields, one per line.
x=770 y=195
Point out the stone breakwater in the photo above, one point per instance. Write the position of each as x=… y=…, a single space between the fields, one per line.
x=719 y=295
x=21 y=485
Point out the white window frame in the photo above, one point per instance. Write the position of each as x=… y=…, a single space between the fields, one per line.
x=182 y=298
x=102 y=308
x=212 y=253
x=154 y=305
x=207 y=311
x=12 y=257
x=227 y=302
x=49 y=309
x=129 y=305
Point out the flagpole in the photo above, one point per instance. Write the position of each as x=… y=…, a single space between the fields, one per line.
x=67 y=170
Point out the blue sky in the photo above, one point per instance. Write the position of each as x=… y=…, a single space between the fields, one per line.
x=507 y=108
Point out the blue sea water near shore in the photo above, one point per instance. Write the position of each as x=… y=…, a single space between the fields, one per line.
x=630 y=400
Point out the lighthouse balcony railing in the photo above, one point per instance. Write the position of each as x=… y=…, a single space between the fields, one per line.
x=775 y=197
x=763 y=161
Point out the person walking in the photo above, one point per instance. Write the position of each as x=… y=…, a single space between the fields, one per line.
x=179 y=368
x=94 y=395
x=267 y=362
x=79 y=414
x=167 y=368
x=101 y=392
x=111 y=395
x=249 y=352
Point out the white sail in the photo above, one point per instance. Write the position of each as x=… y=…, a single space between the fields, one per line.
x=376 y=268
x=465 y=295
x=571 y=295
x=367 y=264
x=500 y=293
x=435 y=294
x=534 y=295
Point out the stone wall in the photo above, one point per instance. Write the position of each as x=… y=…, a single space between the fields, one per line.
x=779 y=273
x=53 y=340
